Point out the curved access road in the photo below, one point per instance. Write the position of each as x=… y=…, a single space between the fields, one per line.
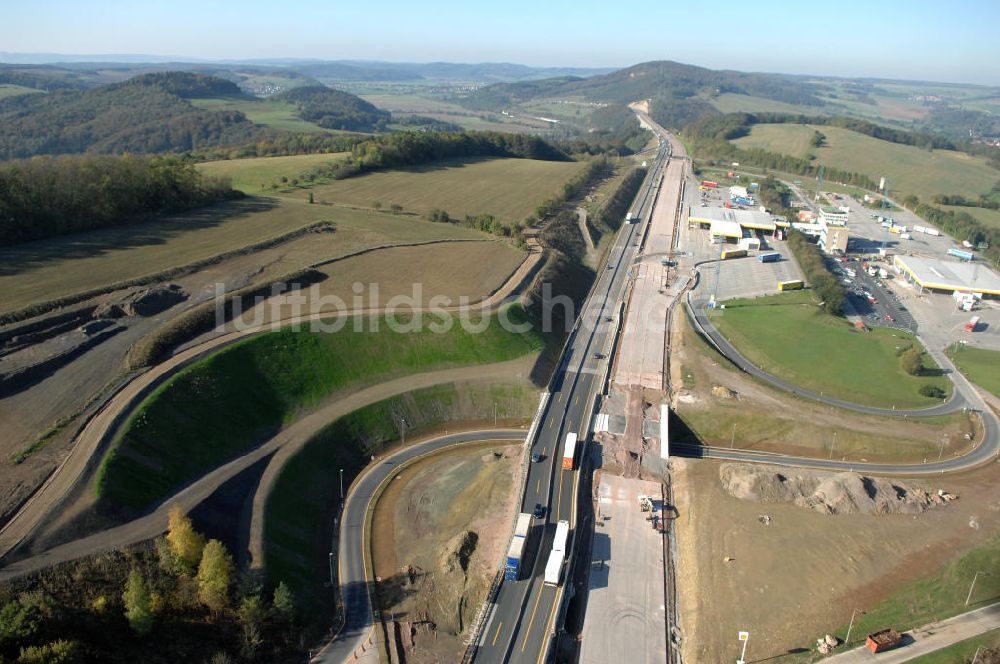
x=353 y=564
x=964 y=396
x=292 y=438
x=96 y=433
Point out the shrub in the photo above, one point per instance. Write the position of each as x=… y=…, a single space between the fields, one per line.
x=913 y=361
x=932 y=391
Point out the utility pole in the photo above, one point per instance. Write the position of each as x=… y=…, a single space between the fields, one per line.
x=494 y=414
x=975 y=657
x=973 y=585
x=851 y=624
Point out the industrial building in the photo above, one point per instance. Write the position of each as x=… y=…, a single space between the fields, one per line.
x=834 y=216
x=931 y=274
x=729 y=224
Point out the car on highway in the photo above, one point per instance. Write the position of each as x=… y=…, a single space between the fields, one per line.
x=539 y=511
x=535 y=457
x=598 y=356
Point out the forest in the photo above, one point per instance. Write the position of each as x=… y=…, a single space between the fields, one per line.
x=335 y=109
x=145 y=114
x=45 y=197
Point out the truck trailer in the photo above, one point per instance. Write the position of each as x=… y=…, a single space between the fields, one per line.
x=512 y=568
x=961 y=253
x=553 y=568
x=772 y=257
x=562 y=535
x=569 y=451
x=733 y=253
x=795 y=284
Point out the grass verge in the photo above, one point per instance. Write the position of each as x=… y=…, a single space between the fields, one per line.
x=981 y=366
x=939 y=596
x=222 y=406
x=787 y=336
x=298 y=516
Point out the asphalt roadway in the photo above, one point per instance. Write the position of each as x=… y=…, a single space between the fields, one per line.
x=353 y=560
x=519 y=624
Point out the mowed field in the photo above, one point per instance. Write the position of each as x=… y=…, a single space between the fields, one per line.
x=788 y=337
x=909 y=169
x=509 y=189
x=254 y=176
x=981 y=366
x=985 y=216
x=44 y=270
x=11 y=90
x=268 y=112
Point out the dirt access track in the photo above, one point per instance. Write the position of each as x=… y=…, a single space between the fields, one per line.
x=279 y=449
x=97 y=433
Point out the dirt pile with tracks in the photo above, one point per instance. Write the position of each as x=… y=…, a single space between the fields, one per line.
x=827 y=493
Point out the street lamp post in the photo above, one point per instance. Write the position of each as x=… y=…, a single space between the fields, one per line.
x=732 y=437
x=341 y=486
x=402 y=431
x=971 y=586
x=944 y=441
x=975 y=657
x=850 y=626
x=833 y=444
x=330 y=558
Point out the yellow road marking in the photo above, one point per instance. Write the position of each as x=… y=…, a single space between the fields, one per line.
x=552 y=612
x=531 y=621
x=497 y=634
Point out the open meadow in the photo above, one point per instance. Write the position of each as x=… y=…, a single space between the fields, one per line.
x=789 y=337
x=254 y=176
x=909 y=169
x=268 y=112
x=721 y=406
x=44 y=270
x=509 y=189
x=990 y=218
x=981 y=366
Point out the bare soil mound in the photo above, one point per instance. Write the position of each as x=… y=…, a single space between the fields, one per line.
x=828 y=493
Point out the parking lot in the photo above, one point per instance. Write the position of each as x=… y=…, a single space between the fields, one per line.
x=737 y=277
x=872 y=299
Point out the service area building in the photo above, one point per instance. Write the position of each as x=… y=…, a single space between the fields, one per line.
x=731 y=225
x=942 y=276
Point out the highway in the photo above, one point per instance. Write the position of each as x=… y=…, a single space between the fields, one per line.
x=518 y=627
x=353 y=560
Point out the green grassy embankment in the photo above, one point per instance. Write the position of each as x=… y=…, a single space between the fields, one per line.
x=909 y=169
x=789 y=337
x=298 y=516
x=936 y=597
x=981 y=366
x=226 y=404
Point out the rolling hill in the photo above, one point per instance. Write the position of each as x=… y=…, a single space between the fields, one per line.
x=165 y=112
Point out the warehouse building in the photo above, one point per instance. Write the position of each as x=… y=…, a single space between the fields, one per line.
x=930 y=274
x=722 y=220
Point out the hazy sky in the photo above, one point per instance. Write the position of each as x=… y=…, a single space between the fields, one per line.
x=953 y=40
